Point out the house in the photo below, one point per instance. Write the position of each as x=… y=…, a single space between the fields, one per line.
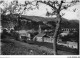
x=23 y=33
x=43 y=38
x=68 y=29
x=1 y=29
x=39 y=37
x=69 y=44
x=48 y=39
x=72 y=44
x=64 y=34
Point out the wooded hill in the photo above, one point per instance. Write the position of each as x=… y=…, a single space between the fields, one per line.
x=30 y=22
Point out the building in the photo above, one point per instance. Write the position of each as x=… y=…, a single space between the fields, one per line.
x=1 y=29
x=73 y=45
x=23 y=33
x=43 y=38
x=68 y=29
x=39 y=37
x=48 y=39
x=64 y=34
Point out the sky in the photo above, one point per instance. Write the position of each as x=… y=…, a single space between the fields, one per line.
x=69 y=14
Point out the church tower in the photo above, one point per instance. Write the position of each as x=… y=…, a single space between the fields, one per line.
x=39 y=30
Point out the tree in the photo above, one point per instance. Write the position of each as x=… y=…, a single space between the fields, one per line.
x=56 y=7
x=56 y=11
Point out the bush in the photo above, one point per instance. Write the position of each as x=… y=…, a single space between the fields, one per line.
x=4 y=34
x=14 y=35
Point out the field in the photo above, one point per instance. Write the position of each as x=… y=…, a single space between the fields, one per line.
x=13 y=47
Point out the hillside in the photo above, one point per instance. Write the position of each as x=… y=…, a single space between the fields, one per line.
x=35 y=21
x=65 y=22
x=44 y=19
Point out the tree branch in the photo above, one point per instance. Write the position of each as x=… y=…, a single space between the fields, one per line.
x=59 y=9
x=49 y=3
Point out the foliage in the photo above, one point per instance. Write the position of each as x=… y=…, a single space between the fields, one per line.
x=71 y=37
x=56 y=7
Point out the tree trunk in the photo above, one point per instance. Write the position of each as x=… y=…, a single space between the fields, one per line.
x=57 y=29
x=56 y=34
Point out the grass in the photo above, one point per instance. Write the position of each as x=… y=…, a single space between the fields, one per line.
x=18 y=48
x=67 y=50
x=14 y=47
x=11 y=49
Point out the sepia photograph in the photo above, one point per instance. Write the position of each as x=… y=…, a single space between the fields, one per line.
x=39 y=27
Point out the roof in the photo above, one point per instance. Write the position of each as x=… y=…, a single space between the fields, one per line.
x=22 y=31
x=40 y=35
x=46 y=36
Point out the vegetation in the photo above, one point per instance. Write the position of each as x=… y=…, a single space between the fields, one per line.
x=16 y=21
